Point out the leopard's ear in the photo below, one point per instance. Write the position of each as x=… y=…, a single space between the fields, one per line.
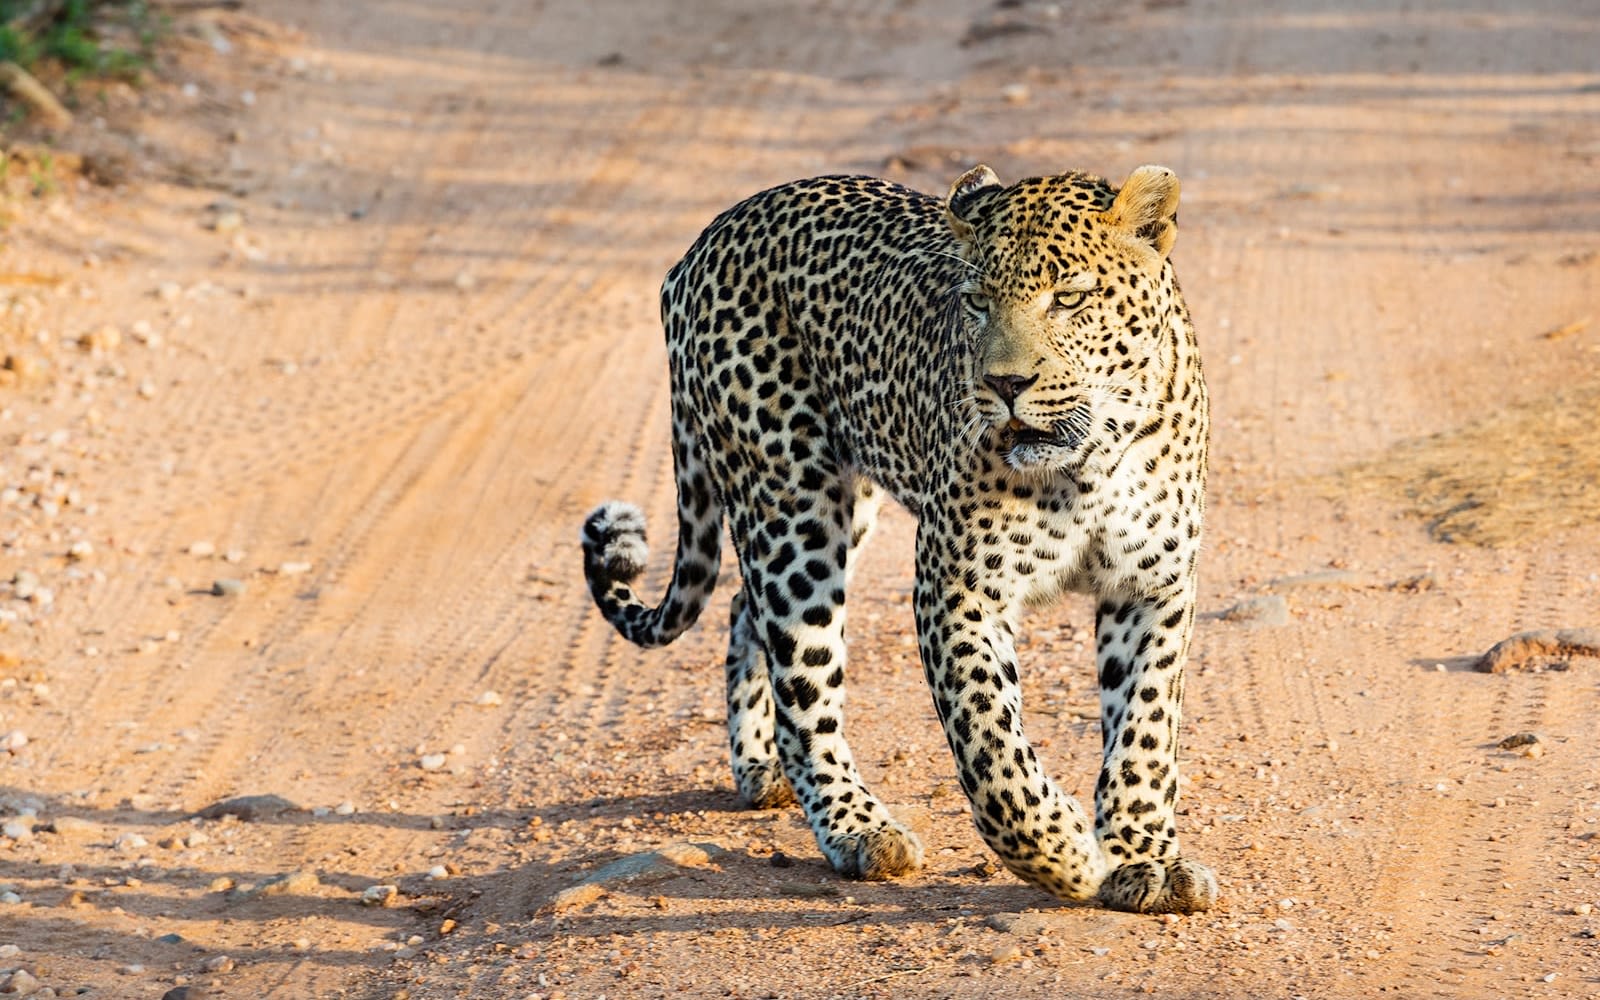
x=1147 y=206
x=959 y=204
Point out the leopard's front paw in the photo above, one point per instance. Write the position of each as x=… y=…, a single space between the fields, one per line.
x=877 y=854
x=1177 y=885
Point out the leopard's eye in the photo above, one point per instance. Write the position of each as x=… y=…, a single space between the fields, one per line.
x=1068 y=301
x=976 y=303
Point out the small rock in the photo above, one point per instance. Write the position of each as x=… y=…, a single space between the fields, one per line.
x=130 y=842
x=780 y=860
x=294 y=568
x=1003 y=922
x=1005 y=953
x=227 y=586
x=20 y=983
x=432 y=761
x=290 y=883
x=132 y=969
x=344 y=809
x=18 y=828
x=73 y=828
x=488 y=699
x=1524 y=743
x=1583 y=909
x=1266 y=609
x=12 y=741
x=1016 y=93
x=249 y=808
x=379 y=895
x=170 y=939
x=202 y=550
x=438 y=872
x=9 y=951
x=102 y=341
x=227 y=221
x=80 y=550
x=1337 y=578
x=24 y=584
x=1540 y=649
x=659 y=865
x=217 y=964
x=573 y=897
x=9 y=898
x=221 y=883
x=186 y=993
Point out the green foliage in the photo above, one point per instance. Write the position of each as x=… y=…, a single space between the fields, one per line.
x=73 y=35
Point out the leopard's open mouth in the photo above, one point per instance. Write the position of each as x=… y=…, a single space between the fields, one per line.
x=1035 y=436
x=1026 y=435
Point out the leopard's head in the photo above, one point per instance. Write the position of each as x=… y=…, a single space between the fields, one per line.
x=1068 y=304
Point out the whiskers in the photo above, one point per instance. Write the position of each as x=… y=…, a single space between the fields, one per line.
x=964 y=262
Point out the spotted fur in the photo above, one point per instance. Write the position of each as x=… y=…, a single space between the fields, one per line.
x=1017 y=367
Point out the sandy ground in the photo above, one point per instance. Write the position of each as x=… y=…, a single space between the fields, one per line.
x=369 y=323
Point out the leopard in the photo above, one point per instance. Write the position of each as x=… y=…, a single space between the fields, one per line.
x=1016 y=366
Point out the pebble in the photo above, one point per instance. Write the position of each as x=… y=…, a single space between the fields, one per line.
x=1266 y=609
x=25 y=584
x=248 y=808
x=1005 y=953
x=290 y=883
x=21 y=982
x=8 y=951
x=438 y=872
x=130 y=842
x=227 y=221
x=1016 y=93
x=80 y=550
x=73 y=828
x=227 y=586
x=185 y=993
x=217 y=964
x=432 y=761
x=9 y=898
x=379 y=895
x=1583 y=909
x=19 y=828
x=13 y=741
x=488 y=699
x=294 y=568
x=345 y=808
x=202 y=550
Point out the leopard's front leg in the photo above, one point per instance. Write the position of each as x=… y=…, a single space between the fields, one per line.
x=964 y=628
x=1140 y=648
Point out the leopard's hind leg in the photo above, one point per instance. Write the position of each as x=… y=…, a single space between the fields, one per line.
x=757 y=771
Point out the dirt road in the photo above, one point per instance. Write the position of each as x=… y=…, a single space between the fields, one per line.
x=374 y=325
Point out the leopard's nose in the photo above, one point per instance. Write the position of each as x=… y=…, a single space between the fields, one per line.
x=1009 y=387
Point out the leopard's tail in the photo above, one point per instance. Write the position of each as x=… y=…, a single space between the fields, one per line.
x=615 y=553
